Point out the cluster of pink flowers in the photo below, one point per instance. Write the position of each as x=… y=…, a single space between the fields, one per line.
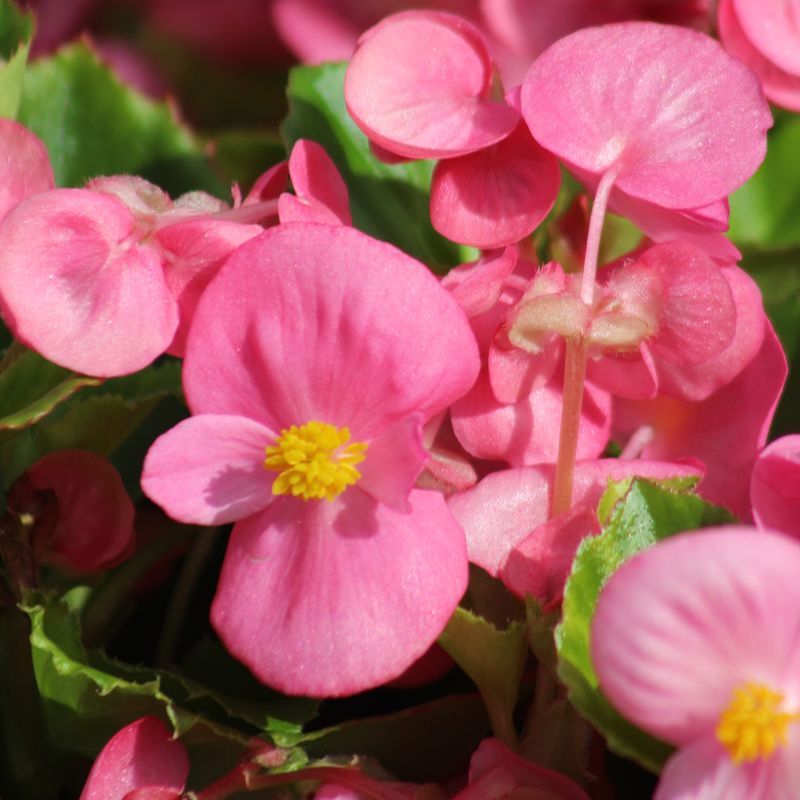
x=370 y=430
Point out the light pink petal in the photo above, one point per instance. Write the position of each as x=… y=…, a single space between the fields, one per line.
x=77 y=286
x=653 y=101
x=502 y=509
x=514 y=374
x=393 y=461
x=774 y=29
x=704 y=770
x=194 y=250
x=775 y=486
x=328 y=599
x=314 y=31
x=726 y=431
x=95 y=514
x=734 y=608
x=25 y=167
x=209 y=469
x=527 y=432
x=780 y=86
x=495 y=196
x=140 y=755
x=436 y=106
x=477 y=286
x=336 y=327
x=450 y=468
x=320 y=194
x=631 y=375
x=539 y=565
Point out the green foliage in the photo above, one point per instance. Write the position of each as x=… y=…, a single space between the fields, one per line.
x=94 y=125
x=16 y=32
x=389 y=202
x=645 y=514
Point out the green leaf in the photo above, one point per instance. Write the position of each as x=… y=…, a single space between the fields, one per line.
x=646 y=514
x=389 y=202
x=94 y=125
x=16 y=32
x=493 y=659
x=764 y=210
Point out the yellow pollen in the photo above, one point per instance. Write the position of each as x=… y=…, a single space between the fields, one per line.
x=314 y=461
x=754 y=724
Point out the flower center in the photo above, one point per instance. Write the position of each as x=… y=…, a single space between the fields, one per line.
x=314 y=461
x=754 y=724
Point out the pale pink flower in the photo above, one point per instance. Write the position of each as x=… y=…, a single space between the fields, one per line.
x=695 y=640
x=317 y=339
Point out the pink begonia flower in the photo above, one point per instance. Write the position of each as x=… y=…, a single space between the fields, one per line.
x=319 y=339
x=95 y=514
x=495 y=772
x=775 y=486
x=140 y=762
x=725 y=431
x=25 y=168
x=695 y=640
x=648 y=107
x=770 y=55
x=506 y=519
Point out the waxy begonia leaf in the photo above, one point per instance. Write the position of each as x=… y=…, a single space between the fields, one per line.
x=94 y=125
x=16 y=32
x=389 y=202
x=493 y=658
x=647 y=513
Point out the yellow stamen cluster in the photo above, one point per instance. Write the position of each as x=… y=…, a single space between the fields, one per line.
x=314 y=461
x=754 y=724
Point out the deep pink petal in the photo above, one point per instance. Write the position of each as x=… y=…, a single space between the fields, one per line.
x=154 y=793
x=77 y=286
x=775 y=486
x=495 y=196
x=209 y=469
x=194 y=250
x=477 y=286
x=774 y=29
x=514 y=374
x=654 y=101
x=435 y=106
x=326 y=599
x=269 y=185
x=780 y=86
x=95 y=514
x=734 y=608
x=336 y=327
x=25 y=168
x=631 y=375
x=140 y=755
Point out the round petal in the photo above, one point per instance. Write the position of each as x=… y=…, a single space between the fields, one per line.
x=729 y=597
x=95 y=514
x=775 y=486
x=78 y=287
x=774 y=28
x=26 y=166
x=326 y=599
x=495 y=196
x=209 y=469
x=315 y=322
x=143 y=754
x=431 y=107
x=653 y=101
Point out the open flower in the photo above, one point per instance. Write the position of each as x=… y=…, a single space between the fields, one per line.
x=710 y=661
x=314 y=359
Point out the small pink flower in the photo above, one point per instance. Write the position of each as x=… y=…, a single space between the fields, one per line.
x=314 y=359
x=140 y=762
x=695 y=640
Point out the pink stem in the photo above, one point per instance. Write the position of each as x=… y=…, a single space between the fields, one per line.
x=595 y=231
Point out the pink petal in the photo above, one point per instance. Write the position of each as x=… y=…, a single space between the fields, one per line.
x=95 y=514
x=631 y=375
x=774 y=29
x=336 y=327
x=143 y=754
x=495 y=196
x=739 y=625
x=77 y=286
x=654 y=101
x=515 y=374
x=269 y=184
x=26 y=166
x=477 y=286
x=328 y=599
x=780 y=86
x=435 y=106
x=314 y=31
x=144 y=200
x=775 y=486
x=321 y=194
x=209 y=469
